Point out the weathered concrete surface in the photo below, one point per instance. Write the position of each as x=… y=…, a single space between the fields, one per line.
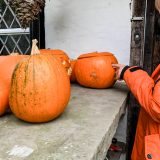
x=83 y=132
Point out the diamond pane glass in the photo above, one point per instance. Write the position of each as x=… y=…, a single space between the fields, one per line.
x=5 y=52
x=16 y=37
x=16 y=50
x=8 y=17
x=3 y=38
x=15 y=43
x=15 y=24
x=10 y=44
x=23 y=43
x=12 y=37
x=2 y=25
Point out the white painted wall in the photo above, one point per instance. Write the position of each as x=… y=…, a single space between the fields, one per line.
x=81 y=26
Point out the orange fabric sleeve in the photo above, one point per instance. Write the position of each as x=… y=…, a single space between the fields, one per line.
x=144 y=89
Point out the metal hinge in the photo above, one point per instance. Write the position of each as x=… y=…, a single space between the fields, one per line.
x=137 y=19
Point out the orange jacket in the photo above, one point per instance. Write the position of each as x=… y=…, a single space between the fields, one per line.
x=146 y=89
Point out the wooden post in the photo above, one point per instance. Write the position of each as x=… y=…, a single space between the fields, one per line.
x=156 y=54
x=137 y=33
x=136 y=58
x=149 y=36
x=141 y=55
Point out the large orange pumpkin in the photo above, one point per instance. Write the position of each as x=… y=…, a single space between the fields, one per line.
x=62 y=56
x=40 y=88
x=95 y=70
x=73 y=76
x=7 y=64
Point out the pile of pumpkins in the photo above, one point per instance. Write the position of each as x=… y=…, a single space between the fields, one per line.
x=36 y=87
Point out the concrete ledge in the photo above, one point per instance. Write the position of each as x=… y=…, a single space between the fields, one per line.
x=83 y=132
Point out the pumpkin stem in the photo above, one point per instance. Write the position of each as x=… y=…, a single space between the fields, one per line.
x=35 y=49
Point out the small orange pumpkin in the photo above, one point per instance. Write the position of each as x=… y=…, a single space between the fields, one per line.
x=94 y=70
x=7 y=64
x=40 y=88
x=62 y=56
x=73 y=76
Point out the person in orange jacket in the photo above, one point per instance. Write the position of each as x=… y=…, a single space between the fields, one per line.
x=146 y=89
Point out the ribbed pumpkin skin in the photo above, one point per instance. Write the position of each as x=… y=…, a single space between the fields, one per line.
x=73 y=76
x=94 y=70
x=61 y=55
x=7 y=64
x=111 y=56
x=40 y=89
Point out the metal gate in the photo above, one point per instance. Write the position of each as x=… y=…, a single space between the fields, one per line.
x=12 y=37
